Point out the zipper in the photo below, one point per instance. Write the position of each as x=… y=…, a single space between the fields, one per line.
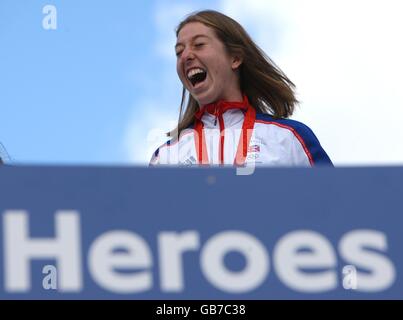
x=221 y=141
x=221 y=144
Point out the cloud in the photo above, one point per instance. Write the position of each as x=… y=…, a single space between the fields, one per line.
x=147 y=130
x=166 y=18
x=345 y=59
x=153 y=116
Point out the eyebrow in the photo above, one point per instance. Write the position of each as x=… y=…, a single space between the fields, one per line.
x=192 y=39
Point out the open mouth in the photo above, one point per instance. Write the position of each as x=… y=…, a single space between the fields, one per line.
x=196 y=75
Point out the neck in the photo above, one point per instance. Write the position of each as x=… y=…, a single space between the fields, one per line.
x=236 y=98
x=221 y=106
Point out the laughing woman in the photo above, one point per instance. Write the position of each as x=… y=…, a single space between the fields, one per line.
x=237 y=105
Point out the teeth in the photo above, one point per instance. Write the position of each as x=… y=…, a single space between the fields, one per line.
x=194 y=71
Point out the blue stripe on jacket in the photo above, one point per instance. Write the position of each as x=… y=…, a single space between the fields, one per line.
x=319 y=156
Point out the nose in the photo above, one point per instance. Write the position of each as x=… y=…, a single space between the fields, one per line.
x=187 y=55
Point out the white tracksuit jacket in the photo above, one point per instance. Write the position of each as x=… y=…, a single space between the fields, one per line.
x=273 y=142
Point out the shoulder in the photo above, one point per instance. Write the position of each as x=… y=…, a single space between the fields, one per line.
x=297 y=128
x=171 y=142
x=155 y=159
x=302 y=133
x=289 y=124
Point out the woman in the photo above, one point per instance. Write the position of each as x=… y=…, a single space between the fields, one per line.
x=238 y=102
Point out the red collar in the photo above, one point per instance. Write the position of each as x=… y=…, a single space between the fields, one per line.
x=244 y=139
x=221 y=106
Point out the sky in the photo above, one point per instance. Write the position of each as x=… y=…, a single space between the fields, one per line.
x=101 y=86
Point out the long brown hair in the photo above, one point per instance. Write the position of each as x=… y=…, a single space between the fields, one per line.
x=268 y=89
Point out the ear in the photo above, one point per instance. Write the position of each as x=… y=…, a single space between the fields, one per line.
x=236 y=62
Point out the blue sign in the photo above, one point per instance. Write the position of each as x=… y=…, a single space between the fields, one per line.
x=159 y=233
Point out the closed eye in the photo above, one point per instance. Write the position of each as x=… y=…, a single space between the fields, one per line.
x=197 y=45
